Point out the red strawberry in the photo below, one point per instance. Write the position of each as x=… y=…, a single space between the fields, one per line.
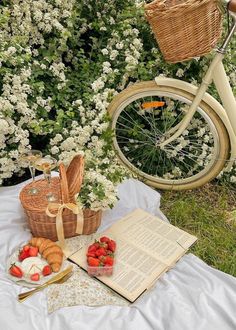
x=104 y=245
x=26 y=248
x=15 y=271
x=101 y=252
x=109 y=261
x=33 y=251
x=91 y=254
x=23 y=254
x=35 y=277
x=102 y=258
x=94 y=262
x=112 y=245
x=104 y=239
x=92 y=248
x=47 y=270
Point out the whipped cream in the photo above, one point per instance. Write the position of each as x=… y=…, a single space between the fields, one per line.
x=32 y=265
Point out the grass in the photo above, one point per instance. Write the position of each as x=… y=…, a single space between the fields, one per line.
x=208 y=214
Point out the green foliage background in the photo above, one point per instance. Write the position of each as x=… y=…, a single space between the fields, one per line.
x=76 y=45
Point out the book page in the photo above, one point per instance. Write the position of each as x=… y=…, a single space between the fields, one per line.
x=154 y=236
x=134 y=270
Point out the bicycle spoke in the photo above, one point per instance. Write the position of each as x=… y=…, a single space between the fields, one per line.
x=144 y=132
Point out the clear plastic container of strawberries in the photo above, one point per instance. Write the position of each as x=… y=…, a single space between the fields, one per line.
x=100 y=257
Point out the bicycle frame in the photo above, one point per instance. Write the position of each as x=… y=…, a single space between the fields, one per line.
x=217 y=74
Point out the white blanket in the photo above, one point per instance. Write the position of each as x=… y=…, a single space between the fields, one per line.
x=191 y=296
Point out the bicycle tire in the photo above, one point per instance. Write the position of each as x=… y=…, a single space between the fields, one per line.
x=149 y=89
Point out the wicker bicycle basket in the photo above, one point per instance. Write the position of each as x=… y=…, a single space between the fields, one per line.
x=185 y=29
x=64 y=188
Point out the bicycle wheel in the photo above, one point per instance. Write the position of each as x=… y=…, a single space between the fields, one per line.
x=143 y=116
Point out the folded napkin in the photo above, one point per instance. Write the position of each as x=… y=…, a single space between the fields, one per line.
x=80 y=288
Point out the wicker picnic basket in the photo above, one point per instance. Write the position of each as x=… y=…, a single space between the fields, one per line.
x=64 y=188
x=185 y=29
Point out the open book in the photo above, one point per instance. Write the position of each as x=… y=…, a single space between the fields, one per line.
x=146 y=248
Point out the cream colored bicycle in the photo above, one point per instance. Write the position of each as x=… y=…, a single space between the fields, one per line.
x=174 y=135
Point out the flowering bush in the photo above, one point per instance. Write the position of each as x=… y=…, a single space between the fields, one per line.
x=61 y=63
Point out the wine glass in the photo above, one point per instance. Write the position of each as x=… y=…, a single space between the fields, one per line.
x=46 y=164
x=29 y=158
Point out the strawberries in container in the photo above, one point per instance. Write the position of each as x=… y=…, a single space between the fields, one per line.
x=100 y=257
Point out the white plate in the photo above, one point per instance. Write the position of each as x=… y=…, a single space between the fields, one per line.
x=25 y=280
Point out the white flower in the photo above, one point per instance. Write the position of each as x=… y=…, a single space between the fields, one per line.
x=137 y=43
x=11 y=51
x=55 y=150
x=3 y=126
x=233 y=179
x=112 y=21
x=114 y=54
x=98 y=84
x=68 y=144
x=38 y=15
x=43 y=66
x=120 y=45
x=105 y=51
x=180 y=72
x=58 y=138
x=78 y=102
x=106 y=67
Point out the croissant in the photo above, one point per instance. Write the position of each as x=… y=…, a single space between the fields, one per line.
x=50 y=251
x=45 y=244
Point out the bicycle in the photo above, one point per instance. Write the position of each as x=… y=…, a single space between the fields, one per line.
x=173 y=135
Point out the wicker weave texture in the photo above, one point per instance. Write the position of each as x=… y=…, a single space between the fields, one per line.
x=35 y=206
x=44 y=226
x=185 y=29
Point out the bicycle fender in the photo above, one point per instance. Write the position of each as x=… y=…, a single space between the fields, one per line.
x=211 y=102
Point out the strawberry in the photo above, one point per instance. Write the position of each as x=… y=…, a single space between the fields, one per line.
x=23 y=254
x=26 y=248
x=101 y=252
x=96 y=244
x=92 y=248
x=15 y=271
x=104 y=239
x=109 y=261
x=104 y=245
x=35 y=277
x=94 y=262
x=112 y=245
x=91 y=254
x=102 y=258
x=47 y=270
x=33 y=251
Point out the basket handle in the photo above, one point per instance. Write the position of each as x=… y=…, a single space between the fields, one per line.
x=75 y=173
x=64 y=184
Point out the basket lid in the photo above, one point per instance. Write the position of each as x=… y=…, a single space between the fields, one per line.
x=38 y=202
x=64 y=184
x=74 y=173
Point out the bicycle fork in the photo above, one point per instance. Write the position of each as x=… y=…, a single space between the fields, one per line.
x=207 y=80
